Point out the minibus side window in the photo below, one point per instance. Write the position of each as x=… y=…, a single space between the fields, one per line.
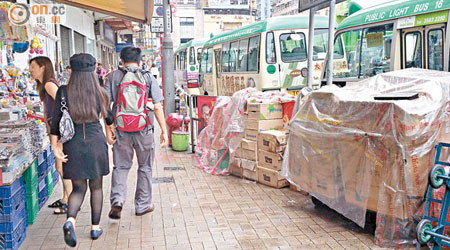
x=192 y=56
x=320 y=46
x=209 y=65
x=271 y=57
x=413 y=50
x=253 y=54
x=203 y=61
x=226 y=57
x=435 y=49
x=243 y=55
x=233 y=56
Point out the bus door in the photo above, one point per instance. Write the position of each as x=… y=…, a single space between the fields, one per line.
x=423 y=47
x=434 y=40
x=218 y=68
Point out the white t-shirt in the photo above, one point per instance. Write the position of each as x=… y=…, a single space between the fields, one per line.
x=154 y=71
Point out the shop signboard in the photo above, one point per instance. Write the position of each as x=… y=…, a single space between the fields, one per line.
x=120 y=46
x=205 y=105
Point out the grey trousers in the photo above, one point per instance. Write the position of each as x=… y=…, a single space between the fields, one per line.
x=123 y=152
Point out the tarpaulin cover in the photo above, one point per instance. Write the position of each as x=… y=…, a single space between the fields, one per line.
x=221 y=137
x=354 y=153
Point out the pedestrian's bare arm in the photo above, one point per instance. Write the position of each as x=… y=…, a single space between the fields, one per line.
x=159 y=114
x=58 y=148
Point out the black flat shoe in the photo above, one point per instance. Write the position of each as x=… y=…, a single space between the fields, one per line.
x=56 y=204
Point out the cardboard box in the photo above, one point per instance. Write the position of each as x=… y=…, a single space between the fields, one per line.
x=251 y=155
x=249 y=165
x=270 y=160
x=265 y=111
x=249 y=169
x=235 y=167
x=249 y=144
x=262 y=125
x=272 y=140
x=251 y=134
x=251 y=175
x=271 y=178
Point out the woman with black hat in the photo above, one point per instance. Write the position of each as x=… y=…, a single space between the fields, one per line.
x=85 y=156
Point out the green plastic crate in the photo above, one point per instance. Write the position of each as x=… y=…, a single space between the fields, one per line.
x=31 y=171
x=32 y=199
x=33 y=213
x=31 y=184
x=49 y=181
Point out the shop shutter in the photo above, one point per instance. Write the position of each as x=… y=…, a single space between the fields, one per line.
x=65 y=44
x=79 y=42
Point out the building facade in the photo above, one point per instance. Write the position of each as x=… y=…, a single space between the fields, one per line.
x=224 y=15
x=284 y=7
x=187 y=21
x=263 y=9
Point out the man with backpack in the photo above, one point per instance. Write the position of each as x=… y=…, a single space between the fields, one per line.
x=132 y=91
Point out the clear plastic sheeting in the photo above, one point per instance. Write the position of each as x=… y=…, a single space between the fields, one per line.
x=218 y=141
x=355 y=153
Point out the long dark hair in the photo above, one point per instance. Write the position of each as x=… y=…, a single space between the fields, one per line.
x=86 y=97
x=49 y=73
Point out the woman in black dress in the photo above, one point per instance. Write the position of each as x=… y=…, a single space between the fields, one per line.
x=85 y=156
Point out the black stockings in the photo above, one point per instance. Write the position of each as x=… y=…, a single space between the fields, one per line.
x=76 y=198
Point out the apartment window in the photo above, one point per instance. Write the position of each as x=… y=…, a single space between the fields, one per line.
x=186 y=21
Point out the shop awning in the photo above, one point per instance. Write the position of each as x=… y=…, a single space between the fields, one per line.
x=133 y=10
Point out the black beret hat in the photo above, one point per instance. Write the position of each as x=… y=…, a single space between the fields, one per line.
x=82 y=62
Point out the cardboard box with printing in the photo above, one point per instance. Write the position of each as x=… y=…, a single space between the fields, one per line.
x=264 y=111
x=251 y=134
x=270 y=160
x=271 y=178
x=262 y=125
x=272 y=140
x=250 y=170
x=249 y=144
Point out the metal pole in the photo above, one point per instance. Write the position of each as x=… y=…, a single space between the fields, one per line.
x=153 y=47
x=332 y=21
x=168 y=71
x=310 y=46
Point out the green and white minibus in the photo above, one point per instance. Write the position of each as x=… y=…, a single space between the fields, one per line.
x=269 y=55
x=187 y=61
x=392 y=36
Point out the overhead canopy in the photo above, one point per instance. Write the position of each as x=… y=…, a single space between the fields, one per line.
x=128 y=9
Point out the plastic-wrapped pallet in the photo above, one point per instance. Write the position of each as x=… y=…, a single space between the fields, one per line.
x=355 y=153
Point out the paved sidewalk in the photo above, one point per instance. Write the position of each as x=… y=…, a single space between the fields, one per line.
x=200 y=211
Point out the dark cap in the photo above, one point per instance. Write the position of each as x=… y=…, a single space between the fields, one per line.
x=82 y=62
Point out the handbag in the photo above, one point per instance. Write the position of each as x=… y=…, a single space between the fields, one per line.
x=66 y=128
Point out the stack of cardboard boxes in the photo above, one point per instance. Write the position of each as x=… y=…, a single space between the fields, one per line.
x=260 y=154
x=271 y=145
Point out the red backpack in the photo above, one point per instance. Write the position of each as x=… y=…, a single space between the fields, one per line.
x=132 y=114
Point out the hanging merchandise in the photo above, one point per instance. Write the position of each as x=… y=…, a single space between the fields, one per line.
x=42 y=30
x=20 y=47
x=36 y=46
x=8 y=31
